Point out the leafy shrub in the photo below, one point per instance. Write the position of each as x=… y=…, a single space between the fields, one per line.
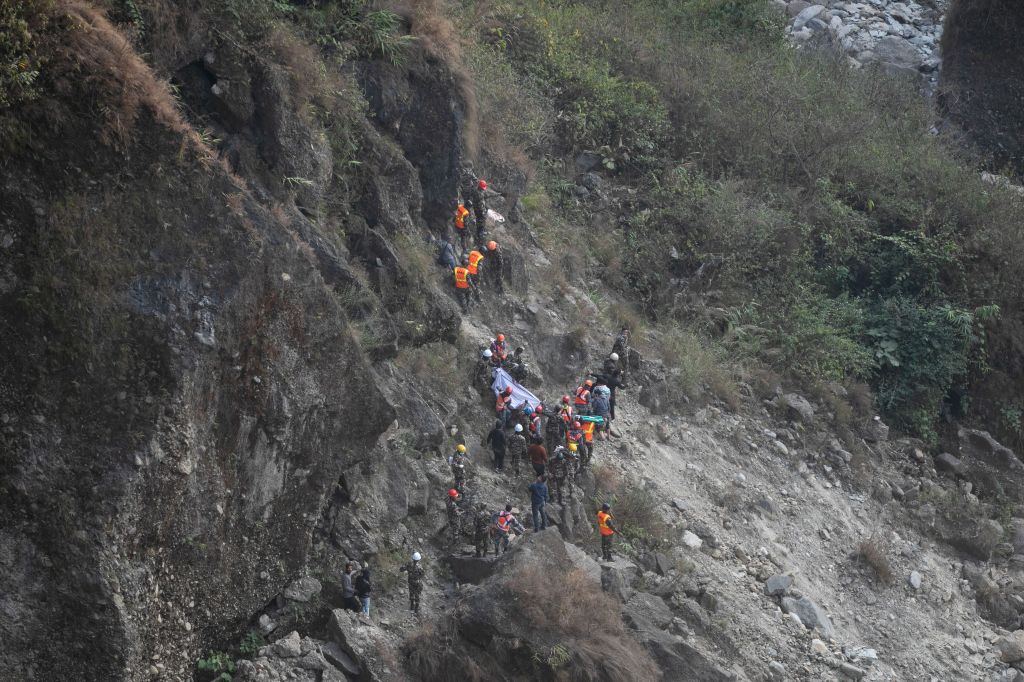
x=19 y=60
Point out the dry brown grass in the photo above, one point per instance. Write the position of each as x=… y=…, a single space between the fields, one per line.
x=872 y=552
x=585 y=621
x=435 y=653
x=306 y=71
x=607 y=480
x=93 y=56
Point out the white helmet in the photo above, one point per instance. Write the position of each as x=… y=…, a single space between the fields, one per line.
x=614 y=357
x=519 y=428
x=416 y=556
x=487 y=353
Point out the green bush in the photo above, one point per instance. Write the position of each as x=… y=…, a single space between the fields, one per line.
x=19 y=63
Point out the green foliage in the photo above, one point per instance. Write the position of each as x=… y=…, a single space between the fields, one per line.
x=597 y=106
x=921 y=351
x=20 y=23
x=251 y=643
x=218 y=663
x=351 y=30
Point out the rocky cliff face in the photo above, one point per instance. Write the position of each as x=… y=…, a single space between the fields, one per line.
x=231 y=367
x=983 y=64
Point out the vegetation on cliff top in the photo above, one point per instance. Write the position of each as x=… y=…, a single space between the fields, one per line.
x=830 y=234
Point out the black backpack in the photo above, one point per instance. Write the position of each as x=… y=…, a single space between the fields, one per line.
x=362 y=585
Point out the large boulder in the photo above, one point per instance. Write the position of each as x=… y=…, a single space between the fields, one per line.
x=618 y=577
x=810 y=614
x=993 y=468
x=365 y=644
x=290 y=659
x=796 y=408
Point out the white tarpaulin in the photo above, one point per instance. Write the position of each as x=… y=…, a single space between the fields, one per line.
x=519 y=394
x=494 y=216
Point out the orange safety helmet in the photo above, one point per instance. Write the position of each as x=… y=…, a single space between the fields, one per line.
x=501 y=338
x=492 y=245
x=453 y=493
x=508 y=390
x=565 y=399
x=482 y=184
x=588 y=383
x=577 y=425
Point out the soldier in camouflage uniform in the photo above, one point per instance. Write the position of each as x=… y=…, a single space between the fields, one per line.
x=454 y=512
x=517 y=448
x=416 y=573
x=459 y=462
x=562 y=470
x=481 y=530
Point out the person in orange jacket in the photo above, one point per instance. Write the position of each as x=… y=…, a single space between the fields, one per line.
x=607 y=530
x=463 y=285
x=475 y=263
x=461 y=229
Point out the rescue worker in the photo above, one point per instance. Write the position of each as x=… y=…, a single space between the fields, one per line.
x=481 y=531
x=587 y=444
x=574 y=436
x=600 y=406
x=477 y=201
x=454 y=515
x=495 y=271
x=582 y=401
x=461 y=213
x=416 y=572
x=561 y=471
x=517 y=448
x=463 y=285
x=621 y=348
x=607 y=530
x=496 y=439
x=565 y=416
x=458 y=462
x=485 y=368
x=504 y=525
x=475 y=259
x=613 y=379
x=499 y=348
x=503 y=406
x=536 y=421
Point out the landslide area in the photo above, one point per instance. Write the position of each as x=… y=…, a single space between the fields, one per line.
x=232 y=364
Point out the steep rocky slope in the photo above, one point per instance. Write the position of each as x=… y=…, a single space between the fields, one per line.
x=232 y=366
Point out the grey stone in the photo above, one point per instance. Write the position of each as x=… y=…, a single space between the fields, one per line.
x=337 y=657
x=852 y=671
x=468 y=569
x=776 y=672
x=897 y=52
x=948 y=463
x=806 y=15
x=691 y=540
x=1011 y=647
x=914 y=580
x=796 y=7
x=266 y=624
x=811 y=615
x=288 y=646
x=796 y=407
x=303 y=589
x=618 y=578
x=778 y=585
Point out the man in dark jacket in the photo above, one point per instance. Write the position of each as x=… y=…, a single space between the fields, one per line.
x=363 y=590
x=496 y=439
x=538 y=497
